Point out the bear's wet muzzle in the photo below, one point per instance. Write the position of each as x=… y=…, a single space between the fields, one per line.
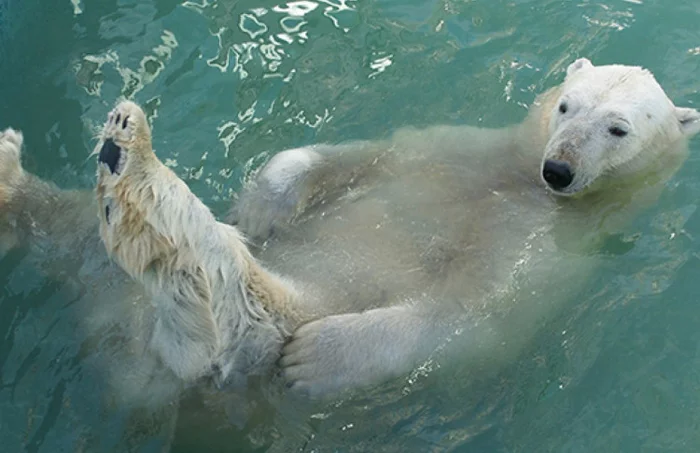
x=557 y=174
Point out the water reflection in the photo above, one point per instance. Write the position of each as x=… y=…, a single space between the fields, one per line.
x=262 y=43
x=77 y=6
x=90 y=75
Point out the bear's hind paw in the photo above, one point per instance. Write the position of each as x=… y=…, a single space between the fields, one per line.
x=10 y=150
x=125 y=131
x=11 y=141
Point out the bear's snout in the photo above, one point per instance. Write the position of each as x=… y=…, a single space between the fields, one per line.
x=557 y=174
x=110 y=155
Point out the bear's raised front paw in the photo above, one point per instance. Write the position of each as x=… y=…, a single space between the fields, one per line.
x=330 y=355
x=125 y=131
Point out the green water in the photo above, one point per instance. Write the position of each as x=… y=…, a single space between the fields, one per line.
x=227 y=82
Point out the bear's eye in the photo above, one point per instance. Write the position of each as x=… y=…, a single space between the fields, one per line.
x=563 y=107
x=617 y=131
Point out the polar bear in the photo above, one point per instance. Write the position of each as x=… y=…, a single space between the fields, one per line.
x=369 y=255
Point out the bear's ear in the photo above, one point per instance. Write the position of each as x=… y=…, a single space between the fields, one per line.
x=577 y=65
x=689 y=120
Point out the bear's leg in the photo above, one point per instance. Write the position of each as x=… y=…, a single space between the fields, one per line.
x=38 y=213
x=277 y=194
x=142 y=233
x=218 y=312
x=299 y=178
x=350 y=351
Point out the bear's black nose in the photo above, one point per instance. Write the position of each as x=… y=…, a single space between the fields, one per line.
x=110 y=154
x=557 y=174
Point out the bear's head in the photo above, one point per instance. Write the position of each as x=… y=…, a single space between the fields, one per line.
x=608 y=122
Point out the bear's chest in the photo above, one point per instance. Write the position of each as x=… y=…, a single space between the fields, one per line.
x=414 y=237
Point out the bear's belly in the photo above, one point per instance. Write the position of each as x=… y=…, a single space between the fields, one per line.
x=432 y=243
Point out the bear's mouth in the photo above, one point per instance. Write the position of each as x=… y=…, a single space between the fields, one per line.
x=113 y=156
x=578 y=186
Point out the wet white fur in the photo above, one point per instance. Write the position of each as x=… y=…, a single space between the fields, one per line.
x=395 y=244
x=601 y=97
x=217 y=312
x=391 y=245
x=451 y=229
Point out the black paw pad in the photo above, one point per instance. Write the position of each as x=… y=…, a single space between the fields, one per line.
x=110 y=155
